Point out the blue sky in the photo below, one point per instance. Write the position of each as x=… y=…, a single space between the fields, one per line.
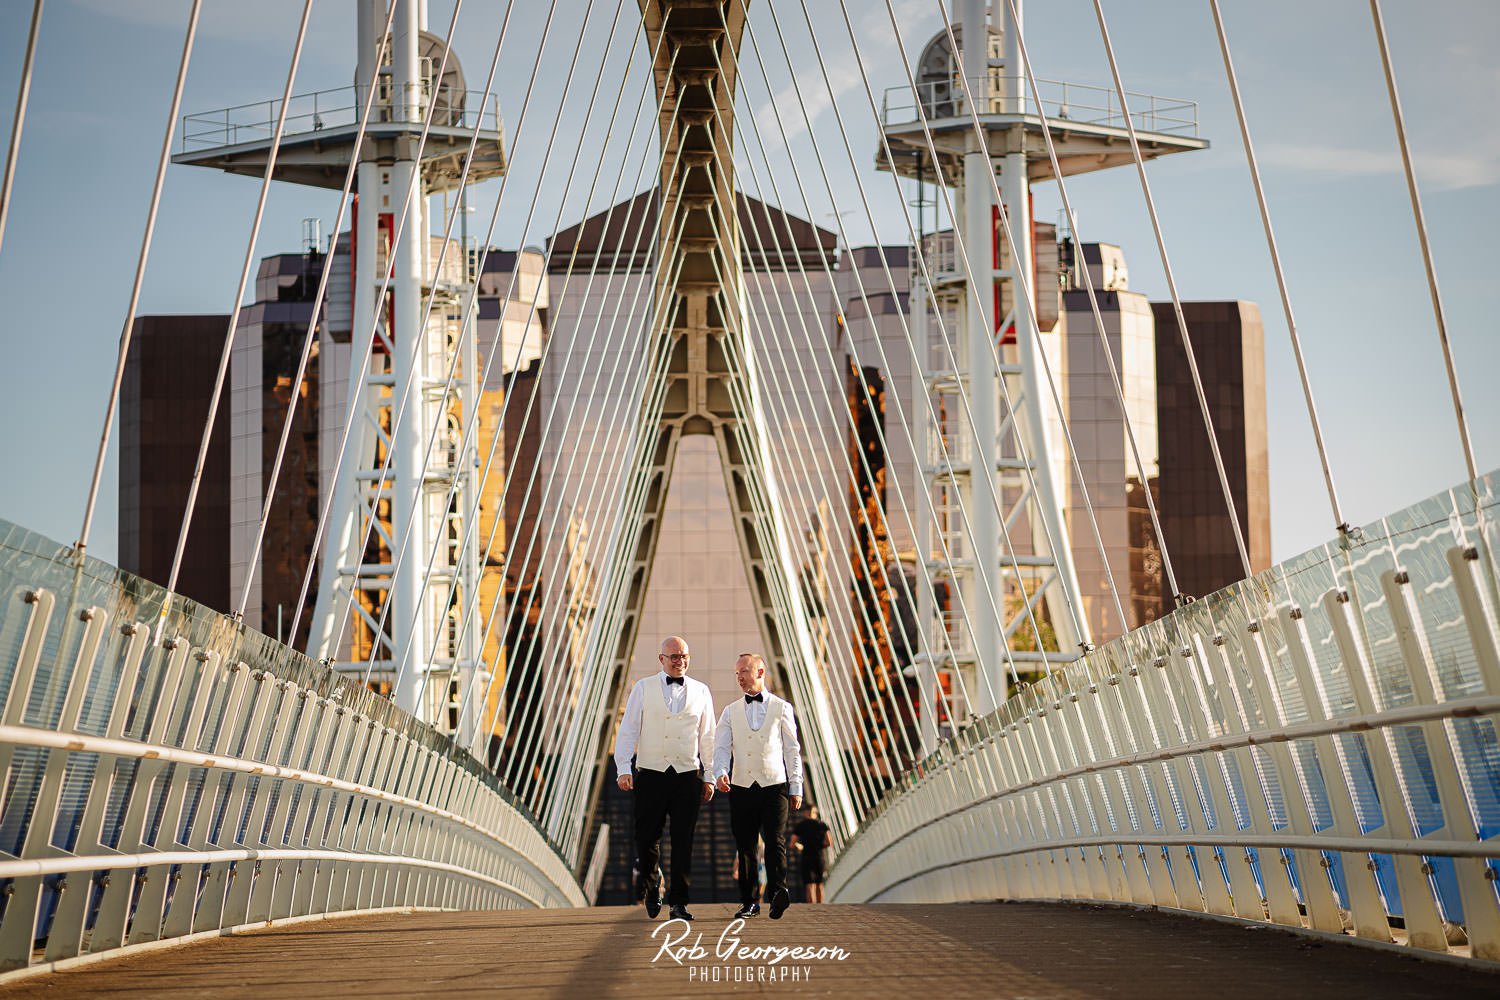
x=1310 y=73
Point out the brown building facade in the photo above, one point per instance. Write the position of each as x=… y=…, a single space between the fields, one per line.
x=169 y=378
x=1229 y=344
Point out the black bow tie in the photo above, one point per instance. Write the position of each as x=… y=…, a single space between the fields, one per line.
x=754 y=697
x=675 y=680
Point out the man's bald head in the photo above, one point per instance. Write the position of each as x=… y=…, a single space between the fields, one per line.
x=674 y=655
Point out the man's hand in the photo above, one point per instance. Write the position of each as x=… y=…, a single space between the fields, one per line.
x=708 y=791
x=724 y=783
x=796 y=802
x=626 y=782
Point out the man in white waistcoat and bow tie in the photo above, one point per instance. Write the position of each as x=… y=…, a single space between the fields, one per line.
x=668 y=729
x=758 y=762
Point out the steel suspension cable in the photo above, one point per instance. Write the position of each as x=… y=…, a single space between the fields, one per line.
x=23 y=96
x=1419 y=218
x=754 y=133
x=874 y=706
x=510 y=549
x=470 y=522
x=127 y=329
x=234 y=315
x=575 y=485
x=743 y=407
x=367 y=343
x=1275 y=253
x=652 y=386
x=802 y=477
x=770 y=341
x=1097 y=312
x=1182 y=329
x=960 y=254
x=880 y=347
x=467 y=315
x=404 y=395
x=1028 y=300
x=827 y=396
x=629 y=511
x=322 y=292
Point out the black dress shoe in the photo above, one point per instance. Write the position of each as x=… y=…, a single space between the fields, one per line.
x=679 y=912
x=779 y=902
x=747 y=911
x=653 y=894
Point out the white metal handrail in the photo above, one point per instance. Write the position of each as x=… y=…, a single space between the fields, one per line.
x=320 y=111
x=1312 y=748
x=1065 y=103
x=207 y=778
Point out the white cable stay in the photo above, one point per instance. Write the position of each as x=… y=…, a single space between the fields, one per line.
x=469 y=524
x=127 y=329
x=1419 y=218
x=555 y=615
x=365 y=351
x=902 y=420
x=526 y=563
x=885 y=362
x=18 y=122
x=753 y=133
x=314 y=318
x=1052 y=381
x=234 y=314
x=1166 y=263
x=973 y=289
x=406 y=392
x=1232 y=78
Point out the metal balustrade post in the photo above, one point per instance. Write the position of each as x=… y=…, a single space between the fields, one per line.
x=1424 y=924
x=207 y=883
x=1311 y=866
x=1476 y=888
x=1367 y=908
x=21 y=910
x=201 y=677
x=72 y=907
x=1275 y=878
x=116 y=905
x=223 y=877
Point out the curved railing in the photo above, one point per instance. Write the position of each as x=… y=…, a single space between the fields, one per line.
x=201 y=776
x=1314 y=747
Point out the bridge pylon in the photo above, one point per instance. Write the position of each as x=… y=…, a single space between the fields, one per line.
x=993 y=463
x=390 y=507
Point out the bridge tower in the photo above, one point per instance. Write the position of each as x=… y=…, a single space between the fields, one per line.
x=999 y=494
x=382 y=528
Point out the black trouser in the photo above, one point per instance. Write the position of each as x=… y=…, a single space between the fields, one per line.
x=659 y=794
x=759 y=812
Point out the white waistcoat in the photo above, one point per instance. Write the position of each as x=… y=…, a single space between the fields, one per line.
x=757 y=752
x=668 y=739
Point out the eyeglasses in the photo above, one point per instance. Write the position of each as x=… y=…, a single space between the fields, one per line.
x=674 y=656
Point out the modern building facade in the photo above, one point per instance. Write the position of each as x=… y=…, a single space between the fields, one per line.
x=169 y=377
x=1229 y=344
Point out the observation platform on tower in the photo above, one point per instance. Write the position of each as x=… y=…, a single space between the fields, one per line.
x=320 y=132
x=1087 y=123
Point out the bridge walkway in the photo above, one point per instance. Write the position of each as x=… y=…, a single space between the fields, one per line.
x=922 y=952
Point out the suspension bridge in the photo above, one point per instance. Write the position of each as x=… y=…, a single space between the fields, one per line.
x=438 y=502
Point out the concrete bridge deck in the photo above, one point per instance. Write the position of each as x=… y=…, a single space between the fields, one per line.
x=917 y=951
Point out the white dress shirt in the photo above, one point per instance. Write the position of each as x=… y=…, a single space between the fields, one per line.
x=755 y=714
x=690 y=695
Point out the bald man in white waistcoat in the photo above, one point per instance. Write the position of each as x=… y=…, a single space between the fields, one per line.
x=668 y=728
x=758 y=762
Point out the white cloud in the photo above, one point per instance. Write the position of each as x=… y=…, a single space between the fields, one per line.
x=1454 y=171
